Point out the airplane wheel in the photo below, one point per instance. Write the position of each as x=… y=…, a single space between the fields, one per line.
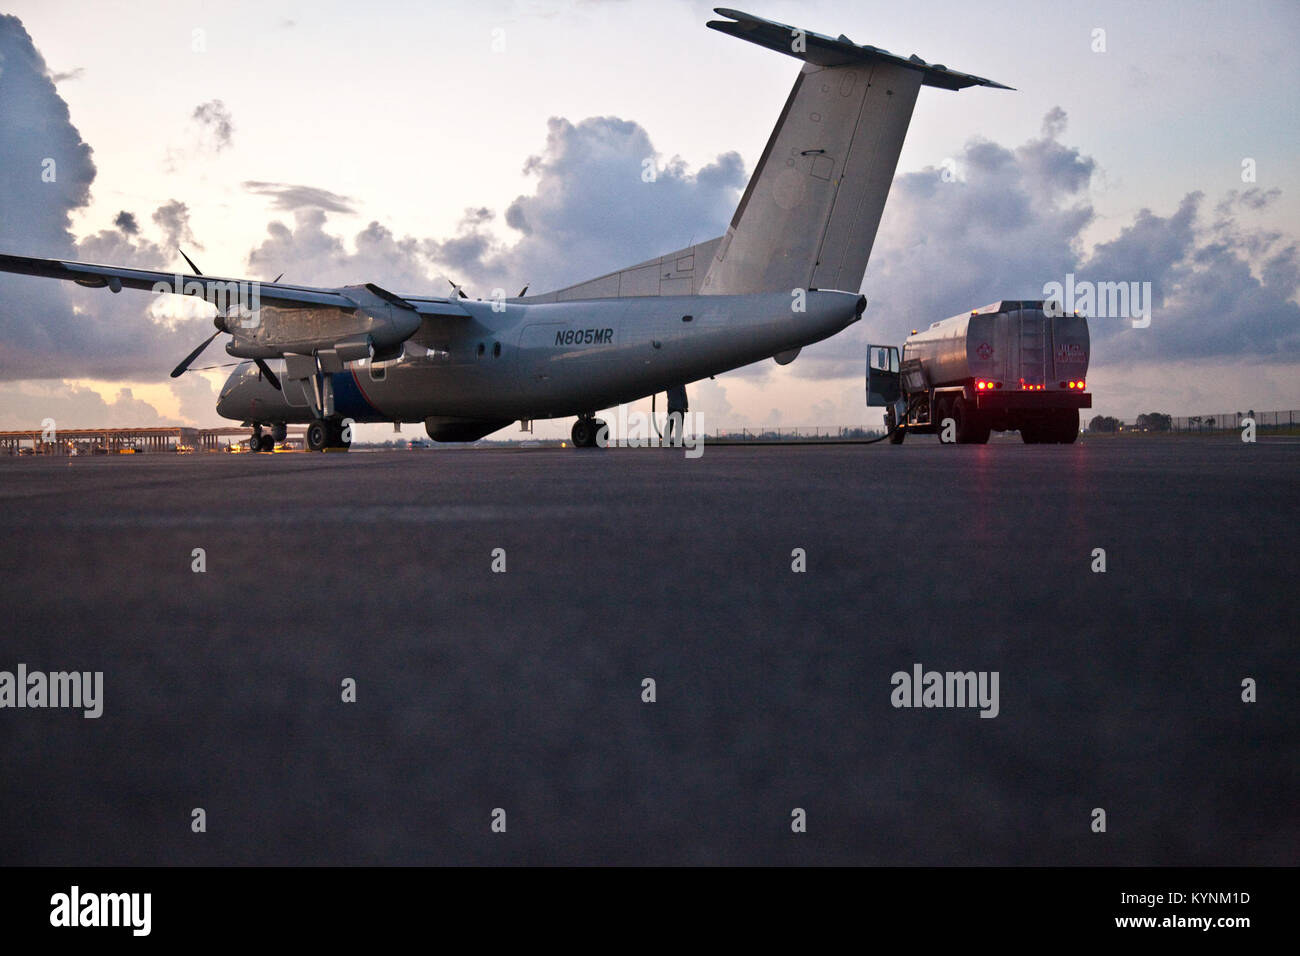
x=1029 y=434
x=583 y=434
x=317 y=436
x=266 y=443
x=279 y=431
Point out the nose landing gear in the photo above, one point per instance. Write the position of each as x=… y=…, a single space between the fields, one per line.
x=260 y=440
x=266 y=441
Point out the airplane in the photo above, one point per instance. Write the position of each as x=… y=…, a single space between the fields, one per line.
x=785 y=274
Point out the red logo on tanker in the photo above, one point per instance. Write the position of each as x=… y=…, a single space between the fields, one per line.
x=1070 y=353
x=984 y=351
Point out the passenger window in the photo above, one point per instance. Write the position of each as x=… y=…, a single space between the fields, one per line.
x=496 y=350
x=481 y=349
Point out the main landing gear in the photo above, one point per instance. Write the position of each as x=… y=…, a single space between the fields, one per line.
x=586 y=431
x=324 y=433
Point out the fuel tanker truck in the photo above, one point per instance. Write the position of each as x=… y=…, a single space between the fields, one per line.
x=1014 y=365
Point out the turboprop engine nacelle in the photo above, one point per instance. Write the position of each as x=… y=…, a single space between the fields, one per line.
x=379 y=322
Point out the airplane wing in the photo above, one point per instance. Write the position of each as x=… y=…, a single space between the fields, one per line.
x=333 y=325
x=117 y=278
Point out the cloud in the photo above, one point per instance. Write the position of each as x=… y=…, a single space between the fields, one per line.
x=290 y=197
x=310 y=255
x=214 y=117
x=1013 y=220
x=27 y=404
x=210 y=133
x=36 y=209
x=592 y=210
x=51 y=329
x=74 y=74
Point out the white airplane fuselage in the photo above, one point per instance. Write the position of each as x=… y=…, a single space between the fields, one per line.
x=517 y=360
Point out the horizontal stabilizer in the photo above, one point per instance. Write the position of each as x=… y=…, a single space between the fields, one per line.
x=839 y=51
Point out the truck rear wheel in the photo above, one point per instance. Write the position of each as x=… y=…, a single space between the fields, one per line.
x=1066 y=427
x=972 y=429
x=941 y=409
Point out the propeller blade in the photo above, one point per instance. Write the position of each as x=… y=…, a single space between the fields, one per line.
x=189 y=261
x=523 y=291
x=180 y=370
x=270 y=376
x=277 y=278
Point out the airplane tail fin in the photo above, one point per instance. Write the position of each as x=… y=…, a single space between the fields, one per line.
x=808 y=217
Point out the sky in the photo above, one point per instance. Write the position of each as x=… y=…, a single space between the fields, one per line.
x=501 y=143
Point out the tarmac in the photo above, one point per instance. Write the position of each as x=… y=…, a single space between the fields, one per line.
x=479 y=690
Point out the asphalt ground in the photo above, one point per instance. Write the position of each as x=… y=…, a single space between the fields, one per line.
x=522 y=690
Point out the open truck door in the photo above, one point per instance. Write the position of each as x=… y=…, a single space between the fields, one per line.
x=882 y=375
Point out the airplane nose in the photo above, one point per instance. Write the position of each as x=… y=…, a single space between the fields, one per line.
x=226 y=400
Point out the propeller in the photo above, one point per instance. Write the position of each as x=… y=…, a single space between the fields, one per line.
x=523 y=291
x=270 y=376
x=181 y=369
x=456 y=287
x=220 y=323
